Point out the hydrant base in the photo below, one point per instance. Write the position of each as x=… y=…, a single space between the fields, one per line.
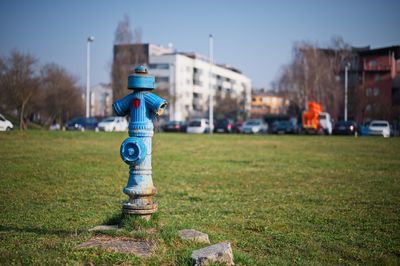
x=128 y=208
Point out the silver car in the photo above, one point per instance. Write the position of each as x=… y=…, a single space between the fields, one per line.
x=254 y=126
x=379 y=128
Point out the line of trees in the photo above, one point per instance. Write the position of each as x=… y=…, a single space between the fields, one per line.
x=46 y=94
x=314 y=75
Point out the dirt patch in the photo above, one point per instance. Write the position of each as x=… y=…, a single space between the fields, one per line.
x=151 y=231
x=141 y=248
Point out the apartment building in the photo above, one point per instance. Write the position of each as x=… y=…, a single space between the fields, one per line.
x=101 y=100
x=188 y=79
x=264 y=103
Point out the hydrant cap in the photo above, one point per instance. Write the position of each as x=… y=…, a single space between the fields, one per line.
x=133 y=151
x=141 y=80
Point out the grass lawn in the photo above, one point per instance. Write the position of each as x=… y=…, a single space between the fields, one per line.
x=277 y=199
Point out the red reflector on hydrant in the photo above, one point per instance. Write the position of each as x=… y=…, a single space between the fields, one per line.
x=135 y=103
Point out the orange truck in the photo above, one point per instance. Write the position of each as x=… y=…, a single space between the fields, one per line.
x=314 y=120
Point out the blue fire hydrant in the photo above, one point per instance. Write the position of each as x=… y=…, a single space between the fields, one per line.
x=142 y=107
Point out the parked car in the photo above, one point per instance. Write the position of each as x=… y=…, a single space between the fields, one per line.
x=325 y=121
x=224 y=126
x=113 y=123
x=363 y=129
x=175 y=126
x=379 y=128
x=285 y=127
x=5 y=125
x=345 y=128
x=254 y=126
x=198 y=126
x=54 y=127
x=82 y=124
x=237 y=126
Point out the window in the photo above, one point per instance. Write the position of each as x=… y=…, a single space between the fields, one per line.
x=368 y=92
x=196 y=76
x=197 y=70
x=373 y=63
x=376 y=91
x=197 y=82
x=159 y=66
x=377 y=77
x=162 y=79
x=379 y=124
x=195 y=124
x=395 y=96
x=196 y=107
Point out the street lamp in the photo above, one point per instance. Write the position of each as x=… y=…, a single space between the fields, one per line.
x=89 y=40
x=211 y=100
x=172 y=91
x=346 y=81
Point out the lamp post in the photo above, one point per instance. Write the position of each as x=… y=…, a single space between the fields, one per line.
x=89 y=40
x=211 y=100
x=346 y=81
x=172 y=90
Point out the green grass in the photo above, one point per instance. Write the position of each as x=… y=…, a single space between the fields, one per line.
x=278 y=199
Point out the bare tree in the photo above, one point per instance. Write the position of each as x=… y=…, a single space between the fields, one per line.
x=123 y=33
x=226 y=105
x=313 y=75
x=18 y=83
x=127 y=53
x=62 y=97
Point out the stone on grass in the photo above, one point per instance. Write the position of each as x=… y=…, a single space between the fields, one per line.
x=191 y=234
x=140 y=248
x=104 y=228
x=219 y=253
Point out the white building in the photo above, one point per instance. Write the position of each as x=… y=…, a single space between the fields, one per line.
x=101 y=99
x=188 y=79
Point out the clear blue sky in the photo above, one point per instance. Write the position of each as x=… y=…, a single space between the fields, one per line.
x=254 y=36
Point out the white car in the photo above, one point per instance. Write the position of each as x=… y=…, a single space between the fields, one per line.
x=254 y=126
x=5 y=125
x=325 y=122
x=379 y=128
x=198 y=126
x=114 y=123
x=54 y=127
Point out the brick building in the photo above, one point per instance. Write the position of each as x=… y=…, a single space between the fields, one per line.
x=377 y=96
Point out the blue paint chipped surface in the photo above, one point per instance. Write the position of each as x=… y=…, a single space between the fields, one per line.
x=137 y=148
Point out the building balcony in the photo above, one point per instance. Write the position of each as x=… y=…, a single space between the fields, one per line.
x=379 y=67
x=197 y=102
